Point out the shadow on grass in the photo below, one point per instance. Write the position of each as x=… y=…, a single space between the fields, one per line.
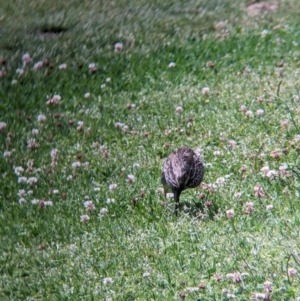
x=197 y=208
x=200 y=208
x=48 y=30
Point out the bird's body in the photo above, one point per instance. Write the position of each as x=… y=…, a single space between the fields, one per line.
x=183 y=169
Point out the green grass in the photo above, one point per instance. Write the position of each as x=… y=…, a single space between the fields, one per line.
x=47 y=252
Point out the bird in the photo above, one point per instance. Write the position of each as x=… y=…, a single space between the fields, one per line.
x=183 y=169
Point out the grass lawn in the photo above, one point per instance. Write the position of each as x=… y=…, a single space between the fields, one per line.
x=94 y=95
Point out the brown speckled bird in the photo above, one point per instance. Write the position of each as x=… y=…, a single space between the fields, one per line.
x=183 y=169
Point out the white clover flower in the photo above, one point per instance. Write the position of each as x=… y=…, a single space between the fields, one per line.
x=268 y=286
x=80 y=125
x=130 y=178
x=159 y=190
x=169 y=195
x=87 y=95
x=54 y=100
x=72 y=247
x=179 y=110
x=230 y=213
x=283 y=170
x=92 y=67
x=22 y=180
x=76 y=164
x=54 y=153
x=205 y=91
x=22 y=200
x=103 y=211
x=89 y=205
x=26 y=59
x=6 y=154
x=112 y=186
x=297 y=138
x=172 y=65
x=125 y=128
x=108 y=201
x=146 y=275
x=62 y=66
x=285 y=123
x=32 y=143
x=232 y=143
x=38 y=65
x=243 y=108
x=264 y=33
x=220 y=181
x=20 y=71
x=238 y=195
x=249 y=113
x=84 y=218
x=95 y=144
x=271 y=174
x=259 y=296
x=191 y=289
x=230 y=296
x=35 y=131
x=264 y=170
x=119 y=124
x=18 y=170
x=260 y=112
x=292 y=272
x=130 y=106
x=35 y=201
x=118 y=47
x=21 y=193
x=32 y=180
x=41 y=118
x=107 y=280
x=230 y=276
x=2 y=126
x=249 y=207
x=48 y=203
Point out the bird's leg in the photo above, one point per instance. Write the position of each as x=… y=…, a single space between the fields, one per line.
x=176 y=199
x=165 y=190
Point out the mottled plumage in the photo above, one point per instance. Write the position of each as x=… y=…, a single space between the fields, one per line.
x=183 y=169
